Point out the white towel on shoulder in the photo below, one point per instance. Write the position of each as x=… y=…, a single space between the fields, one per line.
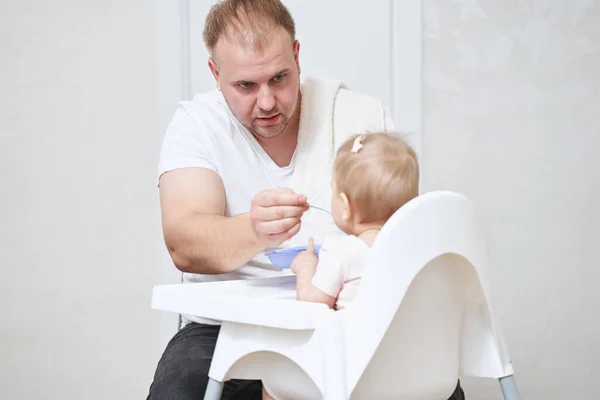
x=315 y=148
x=330 y=113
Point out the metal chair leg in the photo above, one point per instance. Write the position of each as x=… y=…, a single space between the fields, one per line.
x=213 y=390
x=509 y=388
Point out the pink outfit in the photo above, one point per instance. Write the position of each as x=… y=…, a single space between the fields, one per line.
x=341 y=263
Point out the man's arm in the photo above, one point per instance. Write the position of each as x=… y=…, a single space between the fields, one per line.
x=200 y=239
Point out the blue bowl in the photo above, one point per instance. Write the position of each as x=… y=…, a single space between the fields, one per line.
x=283 y=258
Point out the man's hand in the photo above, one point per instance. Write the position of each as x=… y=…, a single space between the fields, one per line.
x=276 y=215
x=306 y=261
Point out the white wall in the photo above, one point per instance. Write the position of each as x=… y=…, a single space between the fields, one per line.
x=82 y=107
x=511 y=95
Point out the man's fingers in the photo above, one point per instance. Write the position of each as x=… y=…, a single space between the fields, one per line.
x=277 y=227
x=279 y=212
x=290 y=233
x=294 y=230
x=276 y=214
x=311 y=245
x=279 y=197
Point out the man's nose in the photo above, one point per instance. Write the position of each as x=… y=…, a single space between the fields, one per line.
x=266 y=98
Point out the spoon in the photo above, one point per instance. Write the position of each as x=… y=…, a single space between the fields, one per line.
x=319 y=208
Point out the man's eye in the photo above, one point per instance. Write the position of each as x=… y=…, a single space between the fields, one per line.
x=245 y=85
x=278 y=78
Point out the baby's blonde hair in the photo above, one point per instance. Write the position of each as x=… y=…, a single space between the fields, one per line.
x=379 y=178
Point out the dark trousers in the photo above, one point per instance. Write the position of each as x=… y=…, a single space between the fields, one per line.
x=182 y=371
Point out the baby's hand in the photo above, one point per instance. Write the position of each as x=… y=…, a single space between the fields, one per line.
x=306 y=259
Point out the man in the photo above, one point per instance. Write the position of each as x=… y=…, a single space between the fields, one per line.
x=230 y=166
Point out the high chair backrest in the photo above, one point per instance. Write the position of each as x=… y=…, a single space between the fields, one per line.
x=421 y=315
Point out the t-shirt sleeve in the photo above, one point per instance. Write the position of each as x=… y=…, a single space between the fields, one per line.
x=329 y=276
x=186 y=144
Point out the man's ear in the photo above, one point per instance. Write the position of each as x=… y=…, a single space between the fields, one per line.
x=214 y=69
x=347 y=209
x=297 y=54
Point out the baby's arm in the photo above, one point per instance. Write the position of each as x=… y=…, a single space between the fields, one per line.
x=306 y=291
x=305 y=266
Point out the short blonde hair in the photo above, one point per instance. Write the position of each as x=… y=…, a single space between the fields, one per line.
x=379 y=178
x=248 y=22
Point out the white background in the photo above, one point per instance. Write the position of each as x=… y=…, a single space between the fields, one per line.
x=509 y=98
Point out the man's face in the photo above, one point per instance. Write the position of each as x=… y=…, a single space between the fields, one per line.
x=261 y=87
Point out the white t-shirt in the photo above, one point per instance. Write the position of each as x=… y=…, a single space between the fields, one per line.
x=204 y=133
x=341 y=263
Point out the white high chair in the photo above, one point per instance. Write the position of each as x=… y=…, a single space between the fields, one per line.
x=422 y=318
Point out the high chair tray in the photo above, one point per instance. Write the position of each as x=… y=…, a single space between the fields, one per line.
x=239 y=301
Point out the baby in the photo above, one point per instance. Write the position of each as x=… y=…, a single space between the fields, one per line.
x=373 y=176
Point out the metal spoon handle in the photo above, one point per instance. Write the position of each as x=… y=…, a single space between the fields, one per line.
x=319 y=208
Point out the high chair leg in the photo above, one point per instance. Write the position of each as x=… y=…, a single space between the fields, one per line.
x=509 y=388
x=213 y=390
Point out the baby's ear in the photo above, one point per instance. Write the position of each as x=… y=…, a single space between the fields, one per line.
x=347 y=211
